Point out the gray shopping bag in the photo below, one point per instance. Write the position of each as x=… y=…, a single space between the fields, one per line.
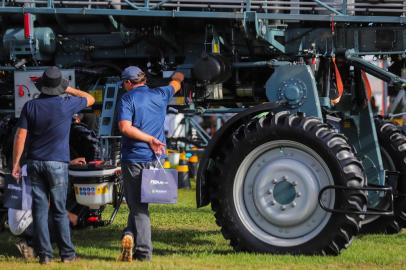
x=159 y=185
x=18 y=195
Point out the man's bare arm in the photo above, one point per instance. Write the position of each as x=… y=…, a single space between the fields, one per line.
x=127 y=129
x=78 y=93
x=18 y=149
x=177 y=79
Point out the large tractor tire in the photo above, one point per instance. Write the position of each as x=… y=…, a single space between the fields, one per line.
x=392 y=143
x=266 y=182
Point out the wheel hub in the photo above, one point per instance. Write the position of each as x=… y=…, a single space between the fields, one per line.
x=284 y=191
x=292 y=199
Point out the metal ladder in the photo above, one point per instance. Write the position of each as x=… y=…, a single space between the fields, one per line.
x=109 y=108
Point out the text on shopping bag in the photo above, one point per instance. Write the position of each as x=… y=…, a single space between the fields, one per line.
x=159 y=186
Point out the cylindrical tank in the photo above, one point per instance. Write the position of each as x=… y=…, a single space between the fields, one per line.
x=44 y=35
x=212 y=68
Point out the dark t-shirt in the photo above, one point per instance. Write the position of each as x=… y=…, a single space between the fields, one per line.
x=48 y=120
x=145 y=108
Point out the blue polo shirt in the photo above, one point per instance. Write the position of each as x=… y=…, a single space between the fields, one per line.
x=145 y=108
x=48 y=120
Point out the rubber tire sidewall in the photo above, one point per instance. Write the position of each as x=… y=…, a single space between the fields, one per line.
x=336 y=221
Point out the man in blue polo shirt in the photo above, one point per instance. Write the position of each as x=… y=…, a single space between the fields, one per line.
x=141 y=116
x=45 y=123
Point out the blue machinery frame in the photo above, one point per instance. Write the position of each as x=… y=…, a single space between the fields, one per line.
x=149 y=9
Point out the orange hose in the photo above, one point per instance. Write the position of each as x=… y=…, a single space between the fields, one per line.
x=339 y=83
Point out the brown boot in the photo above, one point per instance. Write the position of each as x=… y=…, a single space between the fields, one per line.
x=127 y=245
x=25 y=250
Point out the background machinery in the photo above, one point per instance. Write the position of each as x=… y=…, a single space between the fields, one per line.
x=303 y=165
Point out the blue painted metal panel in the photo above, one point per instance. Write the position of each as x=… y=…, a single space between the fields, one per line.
x=294 y=86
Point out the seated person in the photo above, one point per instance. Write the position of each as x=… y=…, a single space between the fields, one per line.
x=87 y=119
x=83 y=141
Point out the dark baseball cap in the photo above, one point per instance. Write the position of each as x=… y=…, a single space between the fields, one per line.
x=132 y=73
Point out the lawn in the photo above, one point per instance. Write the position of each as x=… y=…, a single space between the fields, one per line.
x=188 y=238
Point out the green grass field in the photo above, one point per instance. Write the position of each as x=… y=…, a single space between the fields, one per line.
x=188 y=238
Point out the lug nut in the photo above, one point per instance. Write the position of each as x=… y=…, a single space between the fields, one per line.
x=298 y=194
x=293 y=204
x=283 y=207
x=284 y=177
x=273 y=202
x=294 y=183
x=270 y=191
x=274 y=181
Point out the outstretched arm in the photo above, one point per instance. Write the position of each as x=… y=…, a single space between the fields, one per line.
x=78 y=93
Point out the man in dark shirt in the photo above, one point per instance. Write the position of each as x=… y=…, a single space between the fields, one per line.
x=45 y=123
x=141 y=116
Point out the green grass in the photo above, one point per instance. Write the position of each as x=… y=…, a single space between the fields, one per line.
x=188 y=238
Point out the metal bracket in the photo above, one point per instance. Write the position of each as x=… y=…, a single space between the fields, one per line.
x=375 y=71
x=369 y=211
x=271 y=38
x=260 y=28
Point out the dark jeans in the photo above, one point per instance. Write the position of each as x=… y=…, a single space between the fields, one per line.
x=138 y=224
x=49 y=188
x=29 y=233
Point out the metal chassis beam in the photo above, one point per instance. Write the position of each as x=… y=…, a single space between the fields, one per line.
x=203 y=14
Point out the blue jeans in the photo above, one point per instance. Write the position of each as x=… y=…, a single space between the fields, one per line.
x=49 y=189
x=138 y=224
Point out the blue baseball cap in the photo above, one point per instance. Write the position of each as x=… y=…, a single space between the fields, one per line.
x=131 y=73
